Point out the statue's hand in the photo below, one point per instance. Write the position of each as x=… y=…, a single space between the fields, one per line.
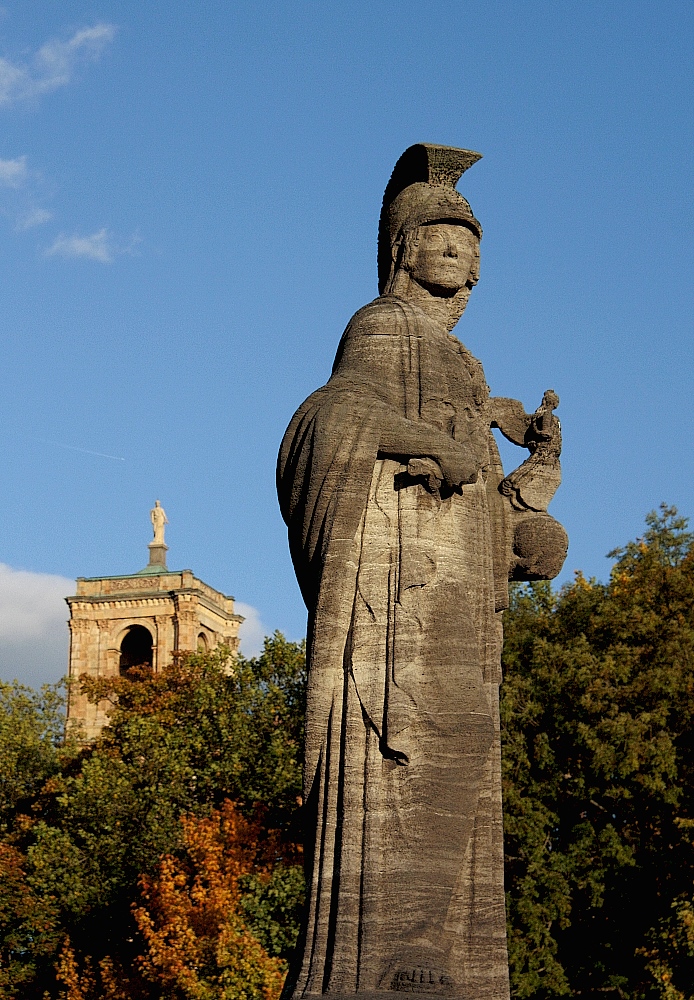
x=458 y=463
x=459 y=460
x=428 y=471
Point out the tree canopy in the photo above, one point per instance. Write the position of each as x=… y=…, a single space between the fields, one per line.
x=598 y=739
x=110 y=850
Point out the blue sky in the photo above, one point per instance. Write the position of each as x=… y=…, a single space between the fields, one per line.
x=189 y=197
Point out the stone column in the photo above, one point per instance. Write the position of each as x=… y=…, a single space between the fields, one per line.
x=187 y=630
x=187 y=621
x=104 y=661
x=84 y=645
x=164 y=643
x=106 y=664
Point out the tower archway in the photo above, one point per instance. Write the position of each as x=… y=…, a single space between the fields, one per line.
x=136 y=648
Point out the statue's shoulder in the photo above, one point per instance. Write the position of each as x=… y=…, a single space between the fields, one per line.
x=370 y=336
x=385 y=314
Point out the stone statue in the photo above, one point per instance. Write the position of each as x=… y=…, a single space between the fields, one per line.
x=158 y=517
x=404 y=534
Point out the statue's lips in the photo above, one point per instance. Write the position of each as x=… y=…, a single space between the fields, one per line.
x=449 y=264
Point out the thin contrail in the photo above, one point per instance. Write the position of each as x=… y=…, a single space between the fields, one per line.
x=85 y=451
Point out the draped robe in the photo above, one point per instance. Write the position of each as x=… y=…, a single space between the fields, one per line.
x=404 y=585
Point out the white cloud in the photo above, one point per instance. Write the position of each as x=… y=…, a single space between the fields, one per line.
x=12 y=81
x=34 y=217
x=252 y=631
x=53 y=65
x=98 y=247
x=20 y=191
x=34 y=637
x=13 y=173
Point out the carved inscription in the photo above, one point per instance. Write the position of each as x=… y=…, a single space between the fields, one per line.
x=419 y=979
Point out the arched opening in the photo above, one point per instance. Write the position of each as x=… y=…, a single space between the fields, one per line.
x=136 y=648
x=203 y=644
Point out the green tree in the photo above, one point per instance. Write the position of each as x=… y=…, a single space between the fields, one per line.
x=32 y=725
x=33 y=753
x=597 y=717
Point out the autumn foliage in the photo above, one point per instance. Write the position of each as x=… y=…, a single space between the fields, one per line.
x=161 y=860
x=198 y=944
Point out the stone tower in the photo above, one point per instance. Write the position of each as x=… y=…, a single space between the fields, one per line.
x=121 y=621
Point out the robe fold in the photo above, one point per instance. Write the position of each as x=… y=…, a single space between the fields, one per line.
x=404 y=585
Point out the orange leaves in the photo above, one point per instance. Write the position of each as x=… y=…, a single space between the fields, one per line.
x=197 y=943
x=84 y=983
x=78 y=985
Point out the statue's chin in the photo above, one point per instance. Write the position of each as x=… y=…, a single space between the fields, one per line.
x=440 y=291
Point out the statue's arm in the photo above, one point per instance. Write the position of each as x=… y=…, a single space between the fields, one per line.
x=368 y=359
x=510 y=417
x=405 y=439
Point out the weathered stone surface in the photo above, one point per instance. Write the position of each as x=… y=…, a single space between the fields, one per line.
x=404 y=533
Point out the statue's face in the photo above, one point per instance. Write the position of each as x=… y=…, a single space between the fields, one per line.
x=443 y=255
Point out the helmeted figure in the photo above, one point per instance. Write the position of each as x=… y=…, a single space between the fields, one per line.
x=404 y=533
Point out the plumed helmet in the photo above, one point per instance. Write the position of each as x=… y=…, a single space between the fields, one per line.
x=421 y=189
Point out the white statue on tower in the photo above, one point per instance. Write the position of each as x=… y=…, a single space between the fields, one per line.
x=158 y=518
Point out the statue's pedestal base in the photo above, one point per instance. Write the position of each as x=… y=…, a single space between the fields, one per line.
x=157 y=554
x=453 y=993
